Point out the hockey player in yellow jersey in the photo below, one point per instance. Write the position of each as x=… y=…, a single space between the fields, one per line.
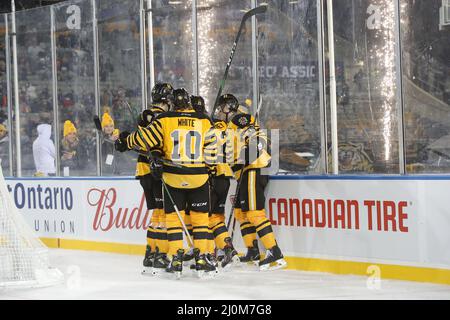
x=219 y=187
x=186 y=140
x=198 y=104
x=248 y=153
x=157 y=244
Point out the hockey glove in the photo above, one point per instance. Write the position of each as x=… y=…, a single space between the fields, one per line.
x=121 y=143
x=156 y=166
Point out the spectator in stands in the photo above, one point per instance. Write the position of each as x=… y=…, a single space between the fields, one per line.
x=73 y=154
x=358 y=79
x=31 y=93
x=2 y=67
x=166 y=75
x=4 y=147
x=106 y=68
x=106 y=97
x=108 y=128
x=44 y=153
x=109 y=156
x=34 y=49
x=3 y=116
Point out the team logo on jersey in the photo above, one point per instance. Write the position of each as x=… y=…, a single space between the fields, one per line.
x=243 y=121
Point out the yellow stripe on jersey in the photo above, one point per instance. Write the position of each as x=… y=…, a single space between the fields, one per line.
x=252 y=190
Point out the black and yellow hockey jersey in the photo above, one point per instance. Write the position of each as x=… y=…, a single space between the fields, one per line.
x=247 y=145
x=222 y=168
x=143 y=162
x=186 y=139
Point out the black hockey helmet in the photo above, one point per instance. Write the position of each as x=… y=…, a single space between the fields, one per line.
x=181 y=99
x=227 y=106
x=162 y=92
x=198 y=103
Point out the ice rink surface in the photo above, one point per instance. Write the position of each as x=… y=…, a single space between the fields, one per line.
x=94 y=275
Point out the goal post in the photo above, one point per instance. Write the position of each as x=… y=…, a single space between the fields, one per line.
x=24 y=259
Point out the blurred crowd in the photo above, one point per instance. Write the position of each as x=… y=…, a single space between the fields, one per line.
x=290 y=102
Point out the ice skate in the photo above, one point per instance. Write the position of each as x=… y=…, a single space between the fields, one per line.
x=230 y=256
x=220 y=254
x=211 y=258
x=274 y=260
x=252 y=256
x=176 y=264
x=148 y=261
x=203 y=267
x=188 y=257
x=160 y=263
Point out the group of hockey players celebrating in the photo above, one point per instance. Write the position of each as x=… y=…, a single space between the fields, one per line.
x=185 y=164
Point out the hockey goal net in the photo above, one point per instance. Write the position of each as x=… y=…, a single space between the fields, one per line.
x=24 y=258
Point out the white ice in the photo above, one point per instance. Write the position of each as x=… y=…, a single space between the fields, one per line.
x=94 y=275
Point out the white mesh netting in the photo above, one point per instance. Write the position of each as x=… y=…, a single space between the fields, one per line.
x=23 y=257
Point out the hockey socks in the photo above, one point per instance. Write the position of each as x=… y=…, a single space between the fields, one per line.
x=151 y=238
x=211 y=245
x=200 y=230
x=188 y=223
x=220 y=232
x=161 y=240
x=263 y=227
x=174 y=232
x=248 y=231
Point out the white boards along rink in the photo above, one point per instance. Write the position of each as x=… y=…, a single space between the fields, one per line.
x=342 y=224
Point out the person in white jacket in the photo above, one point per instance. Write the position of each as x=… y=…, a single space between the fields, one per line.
x=44 y=152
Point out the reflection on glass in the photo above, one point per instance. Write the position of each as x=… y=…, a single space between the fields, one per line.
x=172 y=43
x=366 y=86
x=120 y=71
x=5 y=135
x=289 y=82
x=35 y=80
x=218 y=23
x=75 y=74
x=426 y=87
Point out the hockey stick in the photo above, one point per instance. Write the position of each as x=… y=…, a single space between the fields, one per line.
x=236 y=195
x=247 y=15
x=257 y=110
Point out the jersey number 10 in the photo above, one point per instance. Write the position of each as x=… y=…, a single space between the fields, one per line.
x=186 y=145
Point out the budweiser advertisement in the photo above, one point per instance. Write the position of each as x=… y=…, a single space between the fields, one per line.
x=403 y=221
